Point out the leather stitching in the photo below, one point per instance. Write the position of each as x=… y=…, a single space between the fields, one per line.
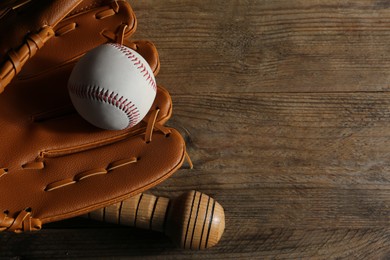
x=111 y=98
x=138 y=63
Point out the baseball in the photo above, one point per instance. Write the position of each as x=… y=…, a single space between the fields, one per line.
x=112 y=87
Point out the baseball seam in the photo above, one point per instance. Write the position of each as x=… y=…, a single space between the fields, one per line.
x=137 y=63
x=112 y=98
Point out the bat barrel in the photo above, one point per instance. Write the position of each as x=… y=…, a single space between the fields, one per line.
x=196 y=221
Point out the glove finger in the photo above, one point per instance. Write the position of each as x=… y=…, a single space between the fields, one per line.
x=80 y=32
x=30 y=16
x=148 y=50
x=90 y=24
x=37 y=17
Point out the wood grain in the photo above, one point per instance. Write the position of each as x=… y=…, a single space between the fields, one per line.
x=269 y=46
x=285 y=107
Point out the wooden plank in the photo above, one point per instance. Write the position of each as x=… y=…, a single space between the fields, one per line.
x=332 y=140
x=291 y=160
x=244 y=243
x=269 y=46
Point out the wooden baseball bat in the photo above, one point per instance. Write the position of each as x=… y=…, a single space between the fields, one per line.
x=193 y=220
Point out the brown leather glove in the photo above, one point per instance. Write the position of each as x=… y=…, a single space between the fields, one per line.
x=67 y=28
x=55 y=165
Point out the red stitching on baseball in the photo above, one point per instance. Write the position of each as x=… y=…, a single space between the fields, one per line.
x=102 y=95
x=137 y=62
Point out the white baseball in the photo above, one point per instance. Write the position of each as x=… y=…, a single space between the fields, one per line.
x=112 y=87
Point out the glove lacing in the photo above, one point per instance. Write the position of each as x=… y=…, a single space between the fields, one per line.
x=152 y=125
x=22 y=223
x=16 y=59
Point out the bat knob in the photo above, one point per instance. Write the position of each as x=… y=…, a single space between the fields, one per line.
x=195 y=221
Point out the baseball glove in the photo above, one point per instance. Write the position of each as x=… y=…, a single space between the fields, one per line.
x=55 y=165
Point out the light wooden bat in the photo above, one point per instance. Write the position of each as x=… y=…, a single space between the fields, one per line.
x=193 y=220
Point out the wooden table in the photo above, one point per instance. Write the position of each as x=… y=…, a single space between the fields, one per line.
x=285 y=107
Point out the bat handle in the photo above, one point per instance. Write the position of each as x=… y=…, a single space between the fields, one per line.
x=193 y=220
